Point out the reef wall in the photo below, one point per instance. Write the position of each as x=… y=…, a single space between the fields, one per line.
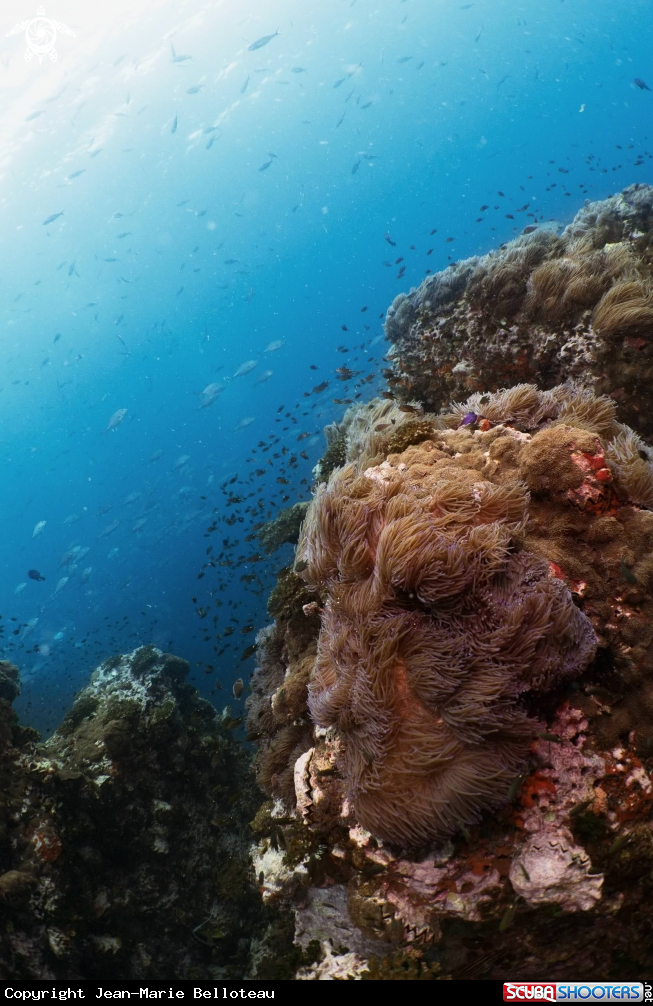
x=453 y=705
x=545 y=307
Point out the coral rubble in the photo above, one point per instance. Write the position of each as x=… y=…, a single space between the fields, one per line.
x=545 y=307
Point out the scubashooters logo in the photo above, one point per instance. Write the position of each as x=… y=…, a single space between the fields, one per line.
x=40 y=35
x=573 y=992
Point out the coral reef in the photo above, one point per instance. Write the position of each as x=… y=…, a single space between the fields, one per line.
x=124 y=838
x=545 y=307
x=284 y=529
x=478 y=592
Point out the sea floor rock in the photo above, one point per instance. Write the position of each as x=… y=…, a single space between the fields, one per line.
x=124 y=838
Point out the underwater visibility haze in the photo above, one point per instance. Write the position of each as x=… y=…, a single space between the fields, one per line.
x=207 y=210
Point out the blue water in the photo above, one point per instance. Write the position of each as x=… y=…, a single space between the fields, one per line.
x=392 y=122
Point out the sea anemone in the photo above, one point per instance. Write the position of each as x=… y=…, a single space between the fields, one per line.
x=434 y=625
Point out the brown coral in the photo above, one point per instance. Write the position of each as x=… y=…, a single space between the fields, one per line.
x=434 y=626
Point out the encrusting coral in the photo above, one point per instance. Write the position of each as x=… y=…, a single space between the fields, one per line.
x=545 y=307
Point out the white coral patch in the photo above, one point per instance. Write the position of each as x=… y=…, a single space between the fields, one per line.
x=550 y=869
x=334 y=967
x=278 y=878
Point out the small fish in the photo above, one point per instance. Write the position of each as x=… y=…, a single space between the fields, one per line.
x=355 y=167
x=267 y=164
x=116 y=419
x=265 y=376
x=581 y=807
x=157 y=454
x=52 y=218
x=72 y=518
x=244 y=87
x=61 y=584
x=132 y=498
x=404 y=59
x=29 y=627
x=273 y=346
x=551 y=737
x=86 y=574
x=57 y=337
x=469 y=419
x=71 y=269
x=507 y=918
x=181 y=462
x=38 y=528
x=637 y=81
x=618 y=844
x=20 y=588
x=238 y=688
x=627 y=573
x=410 y=408
x=34 y=115
x=298 y=69
x=246 y=367
x=207 y=933
x=125 y=234
x=109 y=529
x=515 y=786
x=76 y=174
x=209 y=395
x=178 y=59
x=175 y=121
x=195 y=89
x=260 y=42
x=247 y=421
